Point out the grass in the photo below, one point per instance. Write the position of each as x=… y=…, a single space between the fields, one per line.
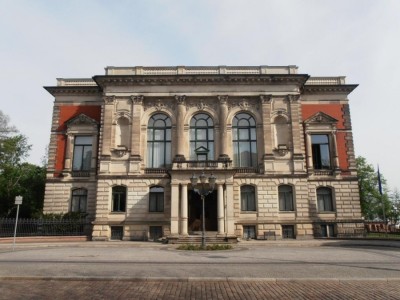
x=212 y=247
x=382 y=235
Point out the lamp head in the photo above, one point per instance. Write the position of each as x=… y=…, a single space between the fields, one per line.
x=211 y=181
x=193 y=180
x=203 y=178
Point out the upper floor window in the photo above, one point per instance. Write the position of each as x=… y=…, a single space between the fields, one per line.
x=248 y=198
x=156 y=199
x=201 y=137
x=324 y=198
x=82 y=156
x=118 y=199
x=320 y=151
x=244 y=140
x=286 y=198
x=79 y=200
x=159 y=141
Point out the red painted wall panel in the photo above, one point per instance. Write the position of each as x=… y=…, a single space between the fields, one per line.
x=67 y=112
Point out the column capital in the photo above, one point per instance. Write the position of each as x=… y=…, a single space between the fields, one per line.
x=292 y=98
x=109 y=99
x=265 y=99
x=137 y=99
x=223 y=99
x=180 y=99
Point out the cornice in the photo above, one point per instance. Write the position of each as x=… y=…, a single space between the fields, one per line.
x=73 y=90
x=341 y=89
x=246 y=79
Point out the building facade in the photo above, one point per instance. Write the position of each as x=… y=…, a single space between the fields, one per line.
x=124 y=146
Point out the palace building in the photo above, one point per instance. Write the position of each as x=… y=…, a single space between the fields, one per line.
x=124 y=146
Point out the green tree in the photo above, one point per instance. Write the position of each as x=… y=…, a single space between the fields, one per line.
x=18 y=177
x=395 y=198
x=373 y=204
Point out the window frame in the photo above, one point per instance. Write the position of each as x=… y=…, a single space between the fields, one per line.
x=245 y=200
x=80 y=197
x=318 y=149
x=324 y=208
x=201 y=146
x=119 y=201
x=165 y=143
x=82 y=166
x=249 y=141
x=158 y=197
x=285 y=200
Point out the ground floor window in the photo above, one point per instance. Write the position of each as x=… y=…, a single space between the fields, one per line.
x=117 y=232
x=288 y=232
x=156 y=232
x=249 y=232
x=327 y=230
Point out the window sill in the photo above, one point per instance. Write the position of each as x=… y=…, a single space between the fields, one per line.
x=117 y=212
x=156 y=212
x=248 y=211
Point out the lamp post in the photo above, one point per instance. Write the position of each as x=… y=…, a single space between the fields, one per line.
x=203 y=189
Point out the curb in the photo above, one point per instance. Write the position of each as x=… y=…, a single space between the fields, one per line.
x=200 y=279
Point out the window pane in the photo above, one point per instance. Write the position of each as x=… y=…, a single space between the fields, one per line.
x=87 y=157
x=201 y=134
x=83 y=140
x=168 y=153
x=159 y=134
x=325 y=157
x=244 y=134
x=78 y=157
x=319 y=139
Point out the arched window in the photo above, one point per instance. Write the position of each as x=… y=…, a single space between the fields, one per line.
x=122 y=133
x=156 y=199
x=159 y=141
x=248 y=198
x=324 y=198
x=244 y=141
x=118 y=199
x=79 y=200
x=285 y=198
x=201 y=137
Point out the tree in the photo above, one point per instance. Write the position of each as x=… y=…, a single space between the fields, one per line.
x=18 y=177
x=395 y=198
x=373 y=204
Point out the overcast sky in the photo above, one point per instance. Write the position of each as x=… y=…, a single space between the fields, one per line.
x=45 y=40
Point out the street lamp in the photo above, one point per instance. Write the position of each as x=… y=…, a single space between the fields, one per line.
x=203 y=189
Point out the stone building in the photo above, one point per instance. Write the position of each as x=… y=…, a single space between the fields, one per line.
x=124 y=146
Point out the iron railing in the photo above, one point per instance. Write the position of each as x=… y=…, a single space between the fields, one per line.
x=44 y=227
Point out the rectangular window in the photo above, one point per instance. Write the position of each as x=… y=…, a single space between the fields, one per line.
x=248 y=198
x=288 y=232
x=117 y=232
x=156 y=199
x=118 y=198
x=82 y=156
x=320 y=151
x=285 y=198
x=249 y=232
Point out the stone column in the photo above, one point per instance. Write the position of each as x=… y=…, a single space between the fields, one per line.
x=174 y=209
x=223 y=115
x=184 y=209
x=221 y=227
x=230 y=218
x=180 y=138
x=137 y=106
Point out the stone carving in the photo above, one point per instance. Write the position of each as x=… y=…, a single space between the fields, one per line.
x=321 y=117
x=223 y=99
x=201 y=105
x=81 y=119
x=137 y=99
x=109 y=99
x=293 y=98
x=159 y=105
x=265 y=99
x=180 y=99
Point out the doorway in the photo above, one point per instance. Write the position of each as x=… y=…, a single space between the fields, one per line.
x=195 y=211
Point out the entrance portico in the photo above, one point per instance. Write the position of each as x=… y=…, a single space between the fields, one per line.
x=186 y=212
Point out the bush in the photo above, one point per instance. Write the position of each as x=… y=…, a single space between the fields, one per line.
x=212 y=247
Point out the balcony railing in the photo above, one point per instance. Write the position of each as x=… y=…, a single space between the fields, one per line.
x=202 y=164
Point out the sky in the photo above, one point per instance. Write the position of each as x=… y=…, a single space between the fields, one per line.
x=360 y=39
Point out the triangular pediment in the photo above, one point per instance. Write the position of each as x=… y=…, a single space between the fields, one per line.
x=201 y=150
x=320 y=118
x=81 y=119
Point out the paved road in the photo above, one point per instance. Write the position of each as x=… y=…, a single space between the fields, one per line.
x=302 y=270
x=163 y=261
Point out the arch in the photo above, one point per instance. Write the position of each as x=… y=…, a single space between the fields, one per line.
x=244 y=139
x=237 y=110
x=148 y=113
x=201 y=137
x=159 y=129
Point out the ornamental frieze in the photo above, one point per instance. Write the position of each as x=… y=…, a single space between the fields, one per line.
x=243 y=104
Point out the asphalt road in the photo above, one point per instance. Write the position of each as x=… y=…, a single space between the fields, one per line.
x=156 y=261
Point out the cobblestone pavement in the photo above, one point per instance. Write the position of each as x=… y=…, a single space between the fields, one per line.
x=170 y=289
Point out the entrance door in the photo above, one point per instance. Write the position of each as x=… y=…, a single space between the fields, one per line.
x=195 y=211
